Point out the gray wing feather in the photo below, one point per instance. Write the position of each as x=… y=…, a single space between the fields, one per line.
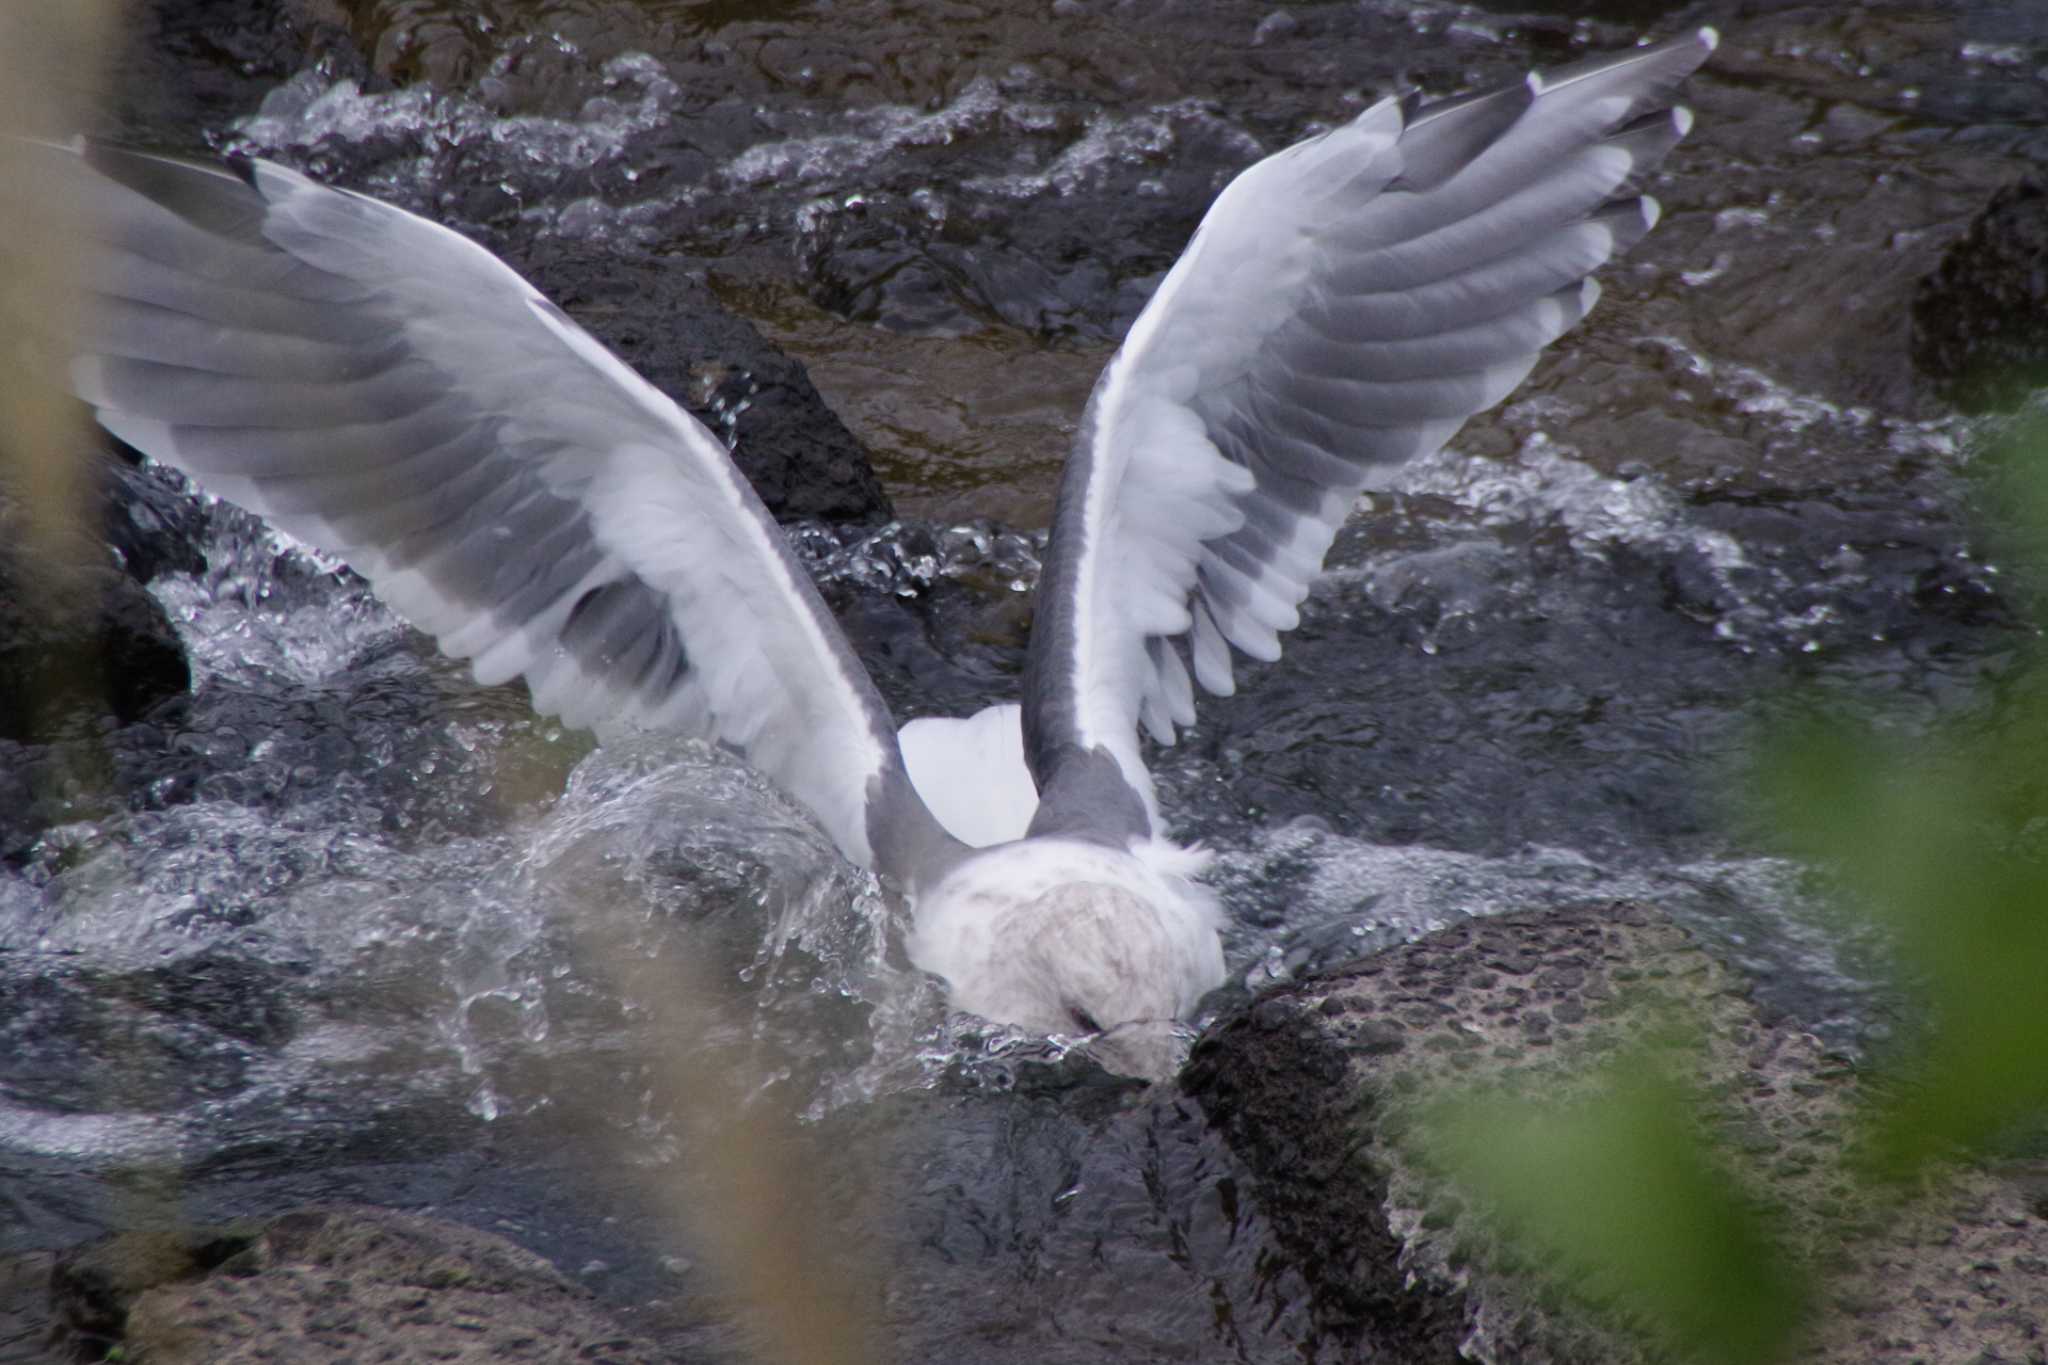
x=1345 y=306
x=381 y=387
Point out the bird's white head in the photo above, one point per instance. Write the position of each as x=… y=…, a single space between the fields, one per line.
x=1068 y=937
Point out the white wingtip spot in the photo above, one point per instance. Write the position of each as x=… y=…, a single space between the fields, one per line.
x=1589 y=294
x=1536 y=86
x=1599 y=241
x=1652 y=211
x=1710 y=37
x=1681 y=119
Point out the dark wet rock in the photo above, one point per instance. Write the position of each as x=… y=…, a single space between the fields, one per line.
x=1980 y=321
x=238 y=999
x=110 y=650
x=1561 y=646
x=149 y=1041
x=1322 y=1110
x=186 y=66
x=25 y=1307
x=79 y=641
x=358 y=1282
x=1069 y=1219
x=664 y=322
x=42 y=786
x=1272 y=1081
x=1075 y=267
x=152 y=521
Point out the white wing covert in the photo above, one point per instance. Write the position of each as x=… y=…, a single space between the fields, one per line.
x=1345 y=306
x=386 y=389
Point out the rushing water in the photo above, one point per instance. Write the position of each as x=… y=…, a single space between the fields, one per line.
x=372 y=916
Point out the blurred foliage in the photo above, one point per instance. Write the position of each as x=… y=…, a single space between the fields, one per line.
x=1937 y=835
x=1943 y=839
x=1925 y=837
x=1621 y=1197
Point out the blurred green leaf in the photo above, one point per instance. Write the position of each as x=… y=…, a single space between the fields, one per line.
x=2013 y=475
x=1629 y=1206
x=1944 y=845
x=1943 y=839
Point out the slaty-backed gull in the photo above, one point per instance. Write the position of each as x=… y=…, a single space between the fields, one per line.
x=380 y=386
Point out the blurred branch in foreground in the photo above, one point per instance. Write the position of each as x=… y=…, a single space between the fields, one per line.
x=749 y=1193
x=1921 y=839
x=50 y=57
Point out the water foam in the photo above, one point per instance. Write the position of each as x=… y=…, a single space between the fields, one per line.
x=1347 y=897
x=309 y=120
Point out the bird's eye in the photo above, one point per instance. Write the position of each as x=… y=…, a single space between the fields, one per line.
x=1083 y=1020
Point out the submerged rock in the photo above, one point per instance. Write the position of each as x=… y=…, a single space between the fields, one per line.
x=1073 y=1218
x=88 y=662
x=104 y=648
x=152 y=521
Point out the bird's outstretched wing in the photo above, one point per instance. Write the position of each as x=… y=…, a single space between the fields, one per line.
x=1345 y=306
x=384 y=388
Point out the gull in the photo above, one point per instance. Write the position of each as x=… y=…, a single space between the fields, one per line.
x=381 y=387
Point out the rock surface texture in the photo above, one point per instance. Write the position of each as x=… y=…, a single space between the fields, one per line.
x=1318 y=1086
x=337 y=1284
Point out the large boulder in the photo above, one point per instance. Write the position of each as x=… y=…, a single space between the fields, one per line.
x=1320 y=1086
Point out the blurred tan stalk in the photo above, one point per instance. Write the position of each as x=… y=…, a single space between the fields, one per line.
x=52 y=59
x=750 y=1195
